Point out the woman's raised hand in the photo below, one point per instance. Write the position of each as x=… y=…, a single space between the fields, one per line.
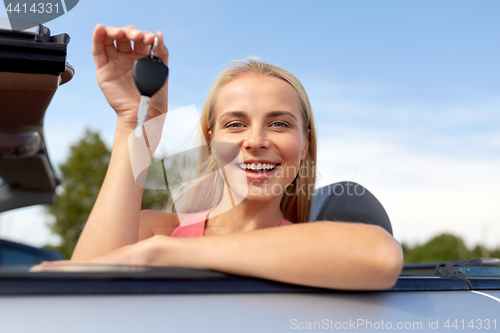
x=114 y=58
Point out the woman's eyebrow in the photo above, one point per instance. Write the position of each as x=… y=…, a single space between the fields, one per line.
x=281 y=113
x=234 y=113
x=268 y=115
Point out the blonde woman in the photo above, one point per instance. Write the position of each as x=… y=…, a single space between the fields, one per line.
x=264 y=111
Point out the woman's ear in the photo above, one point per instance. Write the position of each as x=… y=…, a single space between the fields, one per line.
x=305 y=149
x=209 y=138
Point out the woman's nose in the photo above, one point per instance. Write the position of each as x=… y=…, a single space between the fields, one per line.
x=256 y=139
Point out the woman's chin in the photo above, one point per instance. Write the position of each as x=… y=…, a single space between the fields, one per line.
x=258 y=199
x=261 y=196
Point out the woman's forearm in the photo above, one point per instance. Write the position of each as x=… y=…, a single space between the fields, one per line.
x=321 y=254
x=114 y=220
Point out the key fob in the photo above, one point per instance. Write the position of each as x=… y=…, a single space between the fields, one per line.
x=150 y=74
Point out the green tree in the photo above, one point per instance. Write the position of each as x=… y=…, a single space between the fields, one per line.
x=82 y=177
x=445 y=247
x=495 y=253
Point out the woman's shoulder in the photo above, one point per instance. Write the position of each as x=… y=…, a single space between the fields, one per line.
x=153 y=222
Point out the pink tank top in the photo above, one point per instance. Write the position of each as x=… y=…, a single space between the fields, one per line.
x=194 y=225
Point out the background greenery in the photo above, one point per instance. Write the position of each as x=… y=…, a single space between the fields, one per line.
x=82 y=176
x=445 y=247
x=83 y=173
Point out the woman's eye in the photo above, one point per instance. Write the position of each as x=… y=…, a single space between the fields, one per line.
x=280 y=124
x=234 y=125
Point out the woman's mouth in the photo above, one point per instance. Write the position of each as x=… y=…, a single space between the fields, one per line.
x=258 y=171
x=257 y=167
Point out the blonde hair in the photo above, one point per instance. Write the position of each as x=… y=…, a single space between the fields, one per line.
x=296 y=201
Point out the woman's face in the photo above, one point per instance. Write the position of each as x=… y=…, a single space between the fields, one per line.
x=261 y=114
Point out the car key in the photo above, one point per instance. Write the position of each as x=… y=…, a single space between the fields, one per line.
x=150 y=74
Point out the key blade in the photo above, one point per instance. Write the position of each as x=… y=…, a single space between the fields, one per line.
x=141 y=115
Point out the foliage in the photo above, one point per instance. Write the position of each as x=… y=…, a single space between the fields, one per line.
x=445 y=247
x=495 y=253
x=82 y=177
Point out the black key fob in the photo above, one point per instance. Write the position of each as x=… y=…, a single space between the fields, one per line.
x=150 y=74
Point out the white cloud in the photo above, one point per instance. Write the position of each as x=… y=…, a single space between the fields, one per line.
x=27 y=226
x=180 y=131
x=423 y=192
x=434 y=164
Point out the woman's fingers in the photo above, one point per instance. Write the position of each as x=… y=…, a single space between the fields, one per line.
x=46 y=265
x=137 y=36
x=98 y=48
x=161 y=51
x=55 y=262
x=123 y=44
x=104 y=41
x=109 y=43
x=143 y=40
x=149 y=39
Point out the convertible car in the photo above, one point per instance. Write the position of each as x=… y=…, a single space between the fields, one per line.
x=446 y=296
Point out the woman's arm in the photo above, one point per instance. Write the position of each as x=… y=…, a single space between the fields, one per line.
x=114 y=220
x=334 y=255
x=320 y=254
x=153 y=222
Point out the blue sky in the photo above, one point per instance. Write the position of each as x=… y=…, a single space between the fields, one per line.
x=405 y=93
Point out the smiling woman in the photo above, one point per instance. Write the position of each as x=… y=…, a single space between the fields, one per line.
x=264 y=112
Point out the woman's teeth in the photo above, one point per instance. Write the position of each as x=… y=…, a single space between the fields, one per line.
x=257 y=166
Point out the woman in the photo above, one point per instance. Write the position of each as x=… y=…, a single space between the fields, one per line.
x=266 y=114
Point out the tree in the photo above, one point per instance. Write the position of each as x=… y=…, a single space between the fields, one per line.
x=82 y=177
x=495 y=253
x=445 y=247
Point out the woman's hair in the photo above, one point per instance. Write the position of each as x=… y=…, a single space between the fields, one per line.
x=296 y=201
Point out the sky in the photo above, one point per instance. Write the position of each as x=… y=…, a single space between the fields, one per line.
x=405 y=95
